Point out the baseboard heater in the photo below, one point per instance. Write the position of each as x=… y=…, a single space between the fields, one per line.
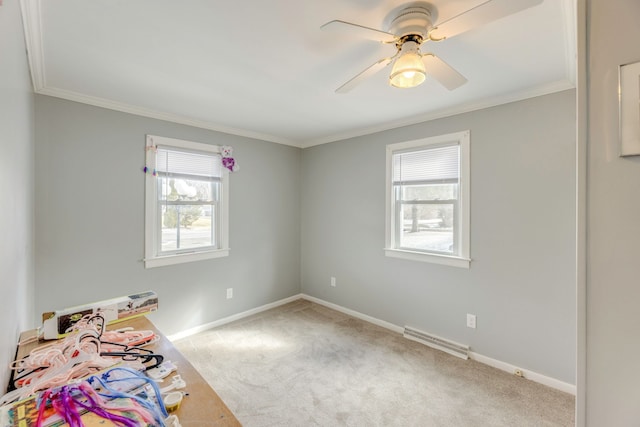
x=459 y=350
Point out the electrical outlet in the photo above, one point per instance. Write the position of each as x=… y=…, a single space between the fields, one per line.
x=229 y=293
x=471 y=320
x=333 y=282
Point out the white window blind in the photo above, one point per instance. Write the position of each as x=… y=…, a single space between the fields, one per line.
x=186 y=202
x=434 y=165
x=428 y=199
x=180 y=164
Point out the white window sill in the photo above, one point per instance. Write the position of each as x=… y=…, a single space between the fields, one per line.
x=182 y=258
x=432 y=258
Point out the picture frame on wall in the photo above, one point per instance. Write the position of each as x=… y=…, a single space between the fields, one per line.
x=629 y=110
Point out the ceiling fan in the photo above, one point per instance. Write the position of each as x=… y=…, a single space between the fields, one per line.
x=410 y=28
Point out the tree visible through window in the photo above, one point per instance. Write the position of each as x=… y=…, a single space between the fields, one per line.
x=185 y=201
x=188 y=189
x=428 y=197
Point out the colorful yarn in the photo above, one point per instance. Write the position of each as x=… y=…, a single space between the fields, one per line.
x=99 y=407
x=106 y=383
x=70 y=401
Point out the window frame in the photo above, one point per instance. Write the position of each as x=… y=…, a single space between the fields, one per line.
x=463 y=217
x=153 y=218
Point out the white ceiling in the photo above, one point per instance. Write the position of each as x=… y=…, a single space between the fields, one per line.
x=264 y=69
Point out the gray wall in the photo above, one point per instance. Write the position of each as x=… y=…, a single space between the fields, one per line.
x=90 y=218
x=613 y=224
x=16 y=186
x=521 y=284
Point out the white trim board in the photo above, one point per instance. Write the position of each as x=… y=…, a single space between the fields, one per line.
x=356 y=314
x=496 y=101
x=158 y=115
x=31 y=18
x=530 y=375
x=503 y=366
x=232 y=318
x=31 y=12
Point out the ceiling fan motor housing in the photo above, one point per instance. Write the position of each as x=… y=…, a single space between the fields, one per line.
x=413 y=20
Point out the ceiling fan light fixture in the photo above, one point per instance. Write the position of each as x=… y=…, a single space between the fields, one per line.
x=408 y=69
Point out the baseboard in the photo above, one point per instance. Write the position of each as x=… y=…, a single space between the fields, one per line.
x=503 y=366
x=353 y=313
x=530 y=375
x=229 y=319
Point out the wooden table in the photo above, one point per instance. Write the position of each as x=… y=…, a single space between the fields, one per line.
x=202 y=407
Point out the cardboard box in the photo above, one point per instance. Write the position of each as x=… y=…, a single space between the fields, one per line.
x=56 y=324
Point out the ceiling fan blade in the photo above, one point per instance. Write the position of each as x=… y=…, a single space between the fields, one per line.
x=443 y=72
x=344 y=27
x=364 y=75
x=478 y=16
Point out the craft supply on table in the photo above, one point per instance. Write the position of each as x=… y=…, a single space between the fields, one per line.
x=203 y=403
x=87 y=348
x=173 y=400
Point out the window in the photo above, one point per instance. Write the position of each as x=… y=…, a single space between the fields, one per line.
x=186 y=202
x=428 y=200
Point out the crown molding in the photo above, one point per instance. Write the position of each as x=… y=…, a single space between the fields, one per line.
x=569 y=15
x=31 y=17
x=33 y=40
x=174 y=118
x=542 y=90
x=160 y=115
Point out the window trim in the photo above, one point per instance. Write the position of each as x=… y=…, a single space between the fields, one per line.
x=462 y=260
x=152 y=259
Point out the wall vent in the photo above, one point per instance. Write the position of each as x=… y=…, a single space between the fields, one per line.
x=459 y=350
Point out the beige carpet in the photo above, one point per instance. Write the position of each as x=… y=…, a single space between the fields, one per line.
x=303 y=364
